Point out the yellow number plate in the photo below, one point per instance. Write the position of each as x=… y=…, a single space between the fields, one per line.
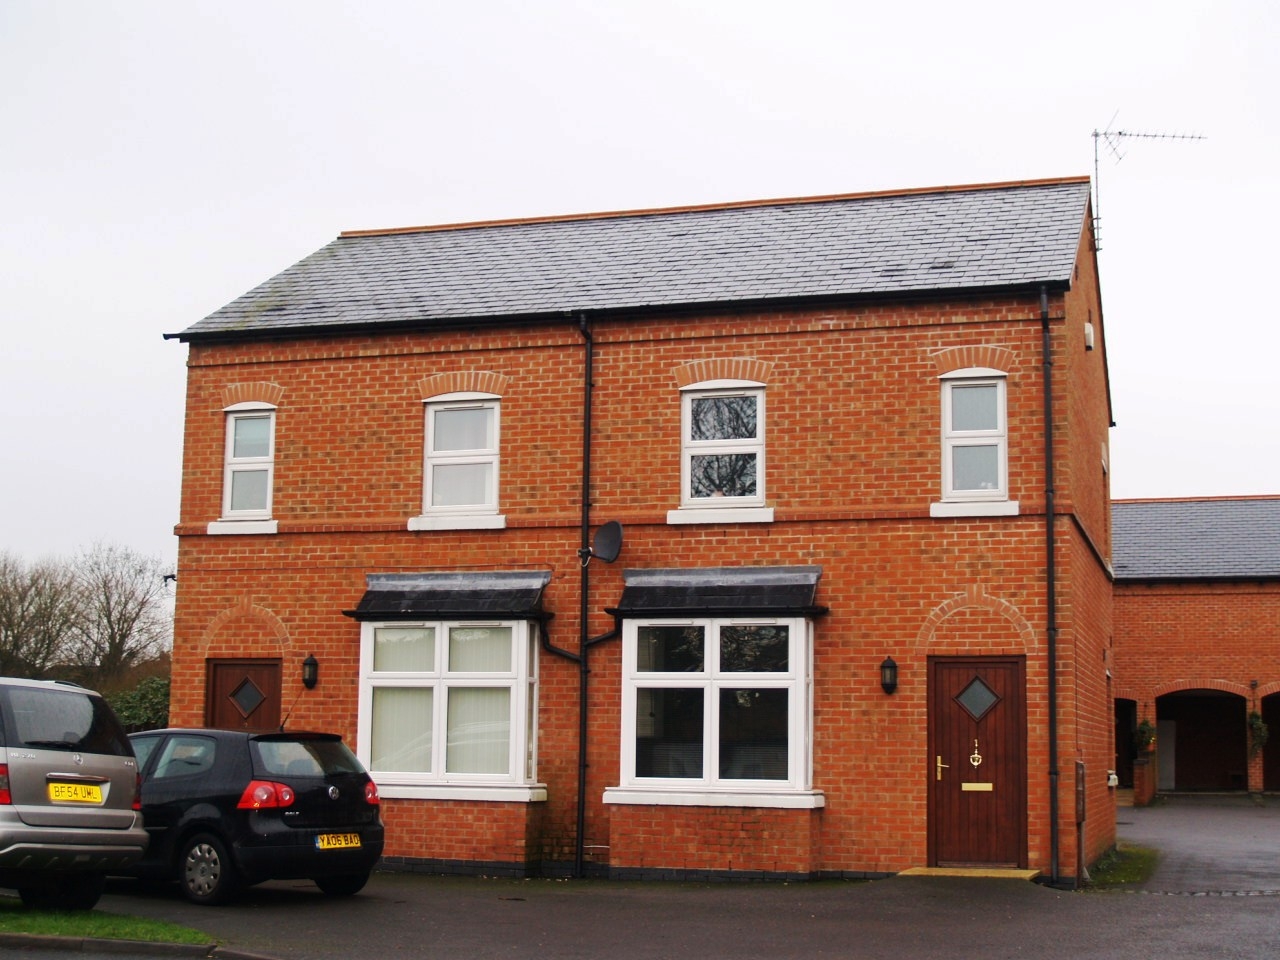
x=337 y=841
x=75 y=792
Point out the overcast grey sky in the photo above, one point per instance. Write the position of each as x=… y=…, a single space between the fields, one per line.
x=159 y=158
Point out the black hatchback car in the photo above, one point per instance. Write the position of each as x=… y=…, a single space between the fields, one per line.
x=229 y=808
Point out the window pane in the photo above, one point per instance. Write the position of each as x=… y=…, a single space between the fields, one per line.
x=480 y=649
x=404 y=648
x=753 y=734
x=758 y=648
x=975 y=467
x=251 y=437
x=461 y=484
x=725 y=475
x=401 y=735
x=974 y=407
x=249 y=489
x=669 y=733
x=463 y=430
x=670 y=649
x=479 y=730
x=723 y=418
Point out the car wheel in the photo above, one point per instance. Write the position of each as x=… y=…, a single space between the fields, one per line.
x=205 y=871
x=343 y=886
x=80 y=891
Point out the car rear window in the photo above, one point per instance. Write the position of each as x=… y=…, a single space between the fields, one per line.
x=303 y=758
x=50 y=719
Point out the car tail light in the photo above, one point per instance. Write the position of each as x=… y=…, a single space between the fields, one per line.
x=265 y=795
x=137 y=791
x=5 y=796
x=371 y=793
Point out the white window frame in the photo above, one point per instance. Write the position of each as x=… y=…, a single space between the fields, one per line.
x=749 y=509
x=518 y=783
x=255 y=520
x=469 y=516
x=986 y=502
x=795 y=792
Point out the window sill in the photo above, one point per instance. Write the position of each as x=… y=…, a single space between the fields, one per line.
x=797 y=800
x=242 y=527
x=721 y=515
x=521 y=793
x=484 y=521
x=974 y=508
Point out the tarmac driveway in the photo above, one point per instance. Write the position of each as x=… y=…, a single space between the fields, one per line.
x=1210 y=849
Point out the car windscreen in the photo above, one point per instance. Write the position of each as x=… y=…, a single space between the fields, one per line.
x=48 y=719
x=302 y=758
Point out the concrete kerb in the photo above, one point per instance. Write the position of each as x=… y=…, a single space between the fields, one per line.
x=98 y=945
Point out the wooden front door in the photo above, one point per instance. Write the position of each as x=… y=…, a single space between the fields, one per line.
x=243 y=694
x=977 y=762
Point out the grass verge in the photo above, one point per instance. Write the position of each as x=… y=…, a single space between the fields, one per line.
x=15 y=918
x=1124 y=866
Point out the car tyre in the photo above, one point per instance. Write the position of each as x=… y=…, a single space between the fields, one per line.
x=80 y=891
x=345 y=885
x=206 y=872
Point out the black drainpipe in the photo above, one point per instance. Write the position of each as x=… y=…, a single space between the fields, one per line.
x=1051 y=585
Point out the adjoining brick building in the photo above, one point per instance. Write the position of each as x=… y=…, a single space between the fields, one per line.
x=849 y=453
x=1197 y=643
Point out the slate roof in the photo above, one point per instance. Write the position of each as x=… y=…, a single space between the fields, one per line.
x=949 y=239
x=480 y=595
x=720 y=591
x=1214 y=539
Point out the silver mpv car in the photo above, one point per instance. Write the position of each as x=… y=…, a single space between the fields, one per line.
x=69 y=794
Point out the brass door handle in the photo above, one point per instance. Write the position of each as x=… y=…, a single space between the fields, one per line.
x=942 y=766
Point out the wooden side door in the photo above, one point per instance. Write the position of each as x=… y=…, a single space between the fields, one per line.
x=242 y=694
x=977 y=762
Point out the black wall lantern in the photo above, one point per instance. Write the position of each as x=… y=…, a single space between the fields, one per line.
x=310 y=671
x=889 y=675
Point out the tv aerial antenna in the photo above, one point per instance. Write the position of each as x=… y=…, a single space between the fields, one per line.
x=1111 y=140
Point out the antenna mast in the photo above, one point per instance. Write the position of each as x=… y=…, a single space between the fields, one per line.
x=1112 y=140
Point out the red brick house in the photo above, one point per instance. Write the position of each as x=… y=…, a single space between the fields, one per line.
x=1197 y=650
x=849 y=452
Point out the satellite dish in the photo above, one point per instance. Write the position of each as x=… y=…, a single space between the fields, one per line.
x=608 y=542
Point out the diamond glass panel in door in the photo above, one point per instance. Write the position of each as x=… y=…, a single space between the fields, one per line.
x=247 y=697
x=669 y=730
x=462 y=456
x=722 y=420
x=402 y=730
x=977 y=698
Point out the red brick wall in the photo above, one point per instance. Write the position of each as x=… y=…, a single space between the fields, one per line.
x=853 y=463
x=1198 y=636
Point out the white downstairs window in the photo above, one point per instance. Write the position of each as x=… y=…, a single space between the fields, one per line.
x=716 y=712
x=447 y=708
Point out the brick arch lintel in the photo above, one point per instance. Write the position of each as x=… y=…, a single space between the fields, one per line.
x=973 y=355
x=261 y=391
x=976 y=595
x=1267 y=689
x=723 y=368
x=244 y=607
x=464 y=381
x=1202 y=683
